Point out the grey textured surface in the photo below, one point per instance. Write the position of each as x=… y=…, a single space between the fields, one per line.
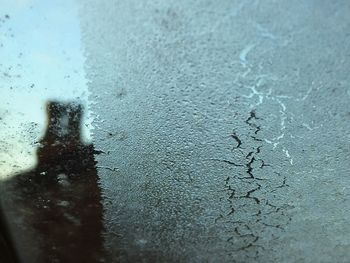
x=225 y=127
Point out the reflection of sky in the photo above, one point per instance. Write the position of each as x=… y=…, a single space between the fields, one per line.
x=41 y=59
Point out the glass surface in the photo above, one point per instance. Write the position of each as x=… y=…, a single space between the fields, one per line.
x=175 y=131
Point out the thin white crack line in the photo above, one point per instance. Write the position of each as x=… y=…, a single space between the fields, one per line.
x=244 y=53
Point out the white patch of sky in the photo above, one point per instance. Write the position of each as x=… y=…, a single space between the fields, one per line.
x=41 y=60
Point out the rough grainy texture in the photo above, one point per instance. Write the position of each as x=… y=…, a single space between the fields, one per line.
x=225 y=127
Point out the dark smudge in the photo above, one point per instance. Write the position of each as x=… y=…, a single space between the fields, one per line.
x=54 y=210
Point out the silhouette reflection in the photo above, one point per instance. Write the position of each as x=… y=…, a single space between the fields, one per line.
x=54 y=211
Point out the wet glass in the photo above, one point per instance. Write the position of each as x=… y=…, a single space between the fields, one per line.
x=174 y=131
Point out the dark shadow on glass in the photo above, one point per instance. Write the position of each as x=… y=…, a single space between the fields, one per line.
x=7 y=250
x=54 y=211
